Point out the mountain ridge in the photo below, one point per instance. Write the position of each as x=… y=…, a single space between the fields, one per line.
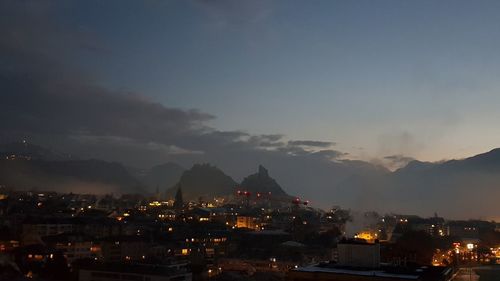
x=205 y=181
x=419 y=186
x=261 y=182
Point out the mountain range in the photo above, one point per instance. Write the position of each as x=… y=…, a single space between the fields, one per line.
x=450 y=187
x=418 y=188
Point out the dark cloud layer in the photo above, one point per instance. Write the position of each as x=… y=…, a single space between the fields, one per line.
x=46 y=99
x=311 y=143
x=46 y=105
x=41 y=94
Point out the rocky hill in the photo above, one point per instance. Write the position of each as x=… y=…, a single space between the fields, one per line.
x=261 y=182
x=204 y=180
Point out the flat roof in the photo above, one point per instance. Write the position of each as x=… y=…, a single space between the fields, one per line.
x=373 y=272
x=147 y=269
x=410 y=273
x=357 y=241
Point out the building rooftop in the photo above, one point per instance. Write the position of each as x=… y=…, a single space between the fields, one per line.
x=409 y=273
x=357 y=241
x=269 y=232
x=133 y=268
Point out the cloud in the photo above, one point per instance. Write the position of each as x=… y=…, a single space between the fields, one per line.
x=46 y=100
x=40 y=103
x=132 y=144
x=310 y=143
x=399 y=158
x=267 y=141
x=42 y=95
x=271 y=137
x=329 y=154
x=396 y=161
x=398 y=142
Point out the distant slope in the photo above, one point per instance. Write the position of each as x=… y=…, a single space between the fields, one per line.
x=261 y=182
x=203 y=180
x=451 y=188
x=83 y=176
x=325 y=183
x=25 y=150
x=161 y=176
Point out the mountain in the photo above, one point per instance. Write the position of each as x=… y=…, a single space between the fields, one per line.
x=451 y=188
x=25 y=150
x=323 y=182
x=261 y=182
x=456 y=188
x=203 y=180
x=160 y=176
x=82 y=176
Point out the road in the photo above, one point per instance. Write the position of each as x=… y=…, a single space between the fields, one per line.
x=480 y=273
x=466 y=274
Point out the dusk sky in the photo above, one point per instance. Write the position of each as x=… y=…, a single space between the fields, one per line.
x=378 y=78
x=301 y=87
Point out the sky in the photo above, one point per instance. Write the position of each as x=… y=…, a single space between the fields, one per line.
x=330 y=96
x=390 y=77
x=378 y=78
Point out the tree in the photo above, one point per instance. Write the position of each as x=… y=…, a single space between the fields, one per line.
x=179 y=202
x=417 y=246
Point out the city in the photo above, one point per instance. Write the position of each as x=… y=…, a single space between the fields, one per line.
x=249 y=140
x=239 y=236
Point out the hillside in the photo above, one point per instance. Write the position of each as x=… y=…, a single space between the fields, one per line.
x=203 y=180
x=82 y=176
x=161 y=176
x=436 y=187
x=261 y=182
x=25 y=150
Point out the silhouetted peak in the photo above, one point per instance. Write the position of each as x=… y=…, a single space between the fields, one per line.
x=490 y=157
x=204 y=180
x=263 y=171
x=261 y=182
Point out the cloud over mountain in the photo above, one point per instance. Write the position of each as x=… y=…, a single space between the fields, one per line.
x=56 y=104
x=310 y=143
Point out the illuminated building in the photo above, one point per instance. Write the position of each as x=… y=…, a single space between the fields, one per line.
x=125 y=247
x=73 y=246
x=249 y=222
x=367 y=235
x=463 y=229
x=47 y=226
x=360 y=253
x=360 y=261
